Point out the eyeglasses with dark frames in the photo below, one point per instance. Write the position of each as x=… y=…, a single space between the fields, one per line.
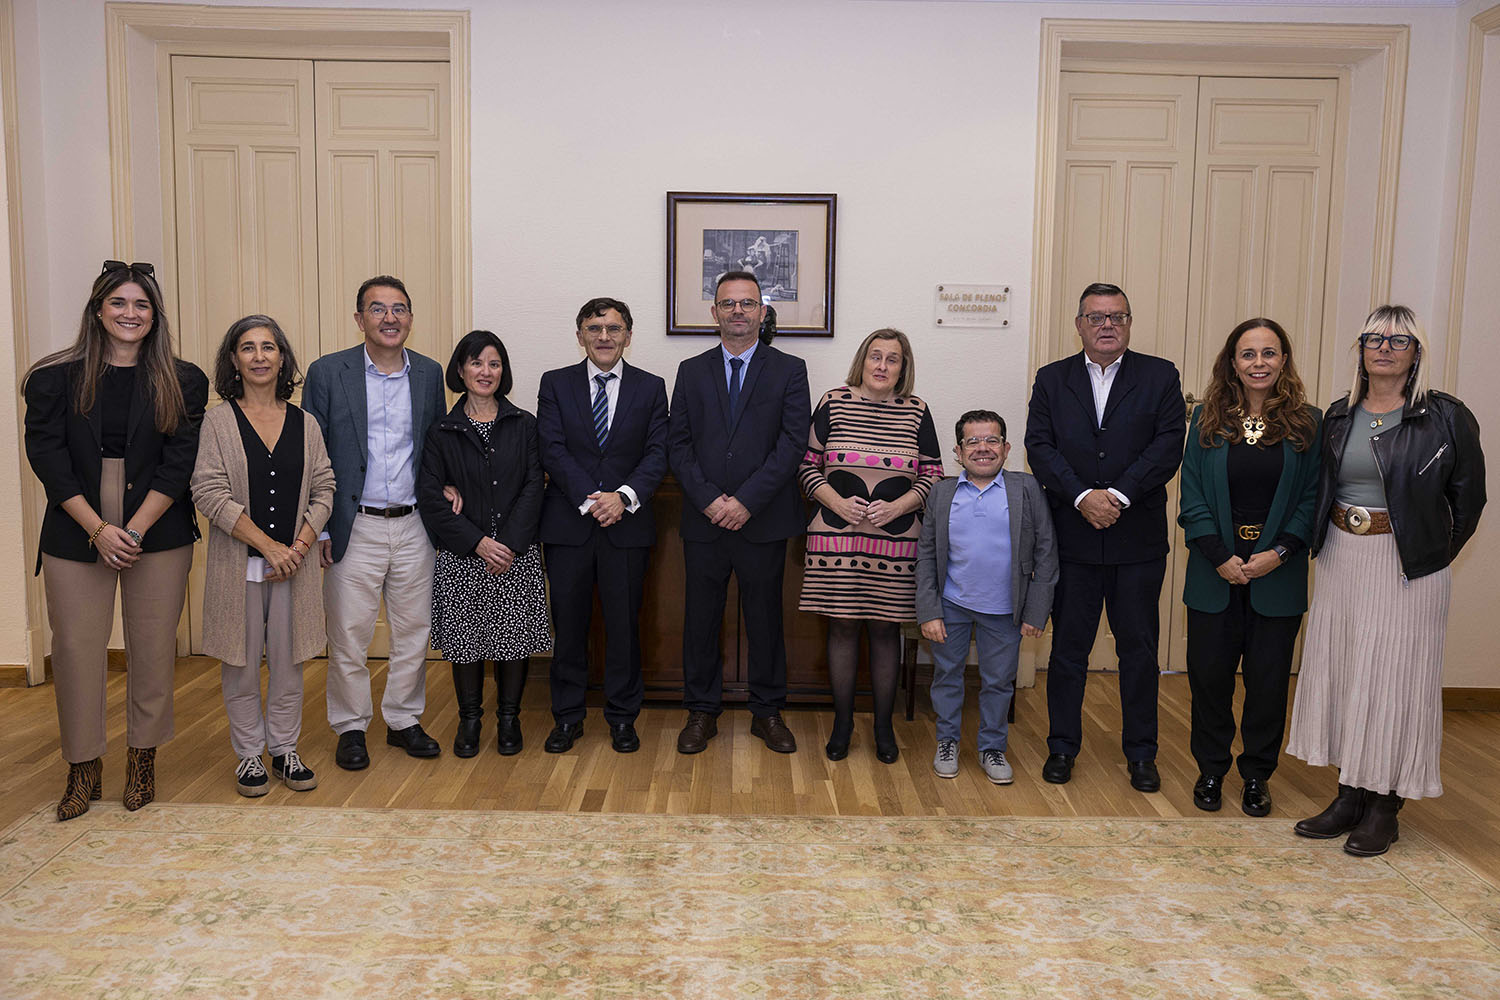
x=1398 y=341
x=1097 y=319
x=727 y=305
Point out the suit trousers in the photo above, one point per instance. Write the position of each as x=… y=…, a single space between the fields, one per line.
x=81 y=607
x=1128 y=593
x=574 y=571
x=390 y=558
x=1261 y=647
x=999 y=640
x=268 y=630
x=758 y=568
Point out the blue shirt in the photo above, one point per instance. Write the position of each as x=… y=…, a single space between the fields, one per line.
x=744 y=369
x=391 y=472
x=979 y=548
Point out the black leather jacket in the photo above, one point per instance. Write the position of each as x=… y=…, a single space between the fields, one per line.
x=1433 y=473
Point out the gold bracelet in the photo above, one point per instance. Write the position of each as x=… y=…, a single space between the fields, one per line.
x=102 y=525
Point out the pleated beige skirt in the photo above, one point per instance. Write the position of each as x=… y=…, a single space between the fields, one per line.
x=1370 y=694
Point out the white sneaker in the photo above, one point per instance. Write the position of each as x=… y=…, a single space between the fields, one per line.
x=250 y=778
x=945 y=761
x=996 y=768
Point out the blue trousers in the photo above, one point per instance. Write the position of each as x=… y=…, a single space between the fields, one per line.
x=999 y=639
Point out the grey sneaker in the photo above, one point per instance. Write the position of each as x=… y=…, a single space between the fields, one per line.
x=945 y=761
x=996 y=768
x=250 y=777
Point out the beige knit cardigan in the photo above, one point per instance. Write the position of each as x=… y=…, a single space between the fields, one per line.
x=221 y=490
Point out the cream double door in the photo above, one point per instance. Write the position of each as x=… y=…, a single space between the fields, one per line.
x=293 y=182
x=1208 y=200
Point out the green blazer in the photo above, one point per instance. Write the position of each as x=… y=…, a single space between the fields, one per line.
x=1204 y=510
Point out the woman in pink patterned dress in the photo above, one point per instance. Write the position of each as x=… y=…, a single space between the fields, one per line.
x=872 y=455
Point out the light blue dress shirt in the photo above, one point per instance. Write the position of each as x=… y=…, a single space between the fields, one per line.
x=979 y=548
x=391 y=472
x=745 y=370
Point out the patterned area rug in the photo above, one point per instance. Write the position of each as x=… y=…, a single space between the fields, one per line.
x=251 y=901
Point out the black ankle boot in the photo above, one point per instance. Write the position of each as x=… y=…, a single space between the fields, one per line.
x=510 y=678
x=1342 y=815
x=468 y=686
x=1378 y=830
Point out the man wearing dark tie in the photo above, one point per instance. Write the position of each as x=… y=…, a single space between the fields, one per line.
x=1104 y=436
x=739 y=423
x=602 y=428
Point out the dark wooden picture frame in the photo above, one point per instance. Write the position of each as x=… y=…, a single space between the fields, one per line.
x=786 y=240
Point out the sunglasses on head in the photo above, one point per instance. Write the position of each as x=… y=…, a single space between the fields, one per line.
x=140 y=267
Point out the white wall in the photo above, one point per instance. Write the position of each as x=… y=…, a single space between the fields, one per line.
x=921 y=116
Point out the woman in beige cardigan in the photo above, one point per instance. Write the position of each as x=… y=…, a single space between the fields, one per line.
x=258 y=452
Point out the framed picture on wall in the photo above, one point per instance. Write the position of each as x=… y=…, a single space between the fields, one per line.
x=785 y=240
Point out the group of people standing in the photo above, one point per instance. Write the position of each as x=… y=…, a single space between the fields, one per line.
x=459 y=519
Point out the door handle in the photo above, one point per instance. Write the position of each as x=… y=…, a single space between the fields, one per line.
x=1191 y=401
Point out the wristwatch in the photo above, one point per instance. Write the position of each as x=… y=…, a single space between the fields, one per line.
x=135 y=536
x=624 y=498
x=1281 y=552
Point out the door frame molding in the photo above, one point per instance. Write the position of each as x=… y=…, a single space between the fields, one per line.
x=1216 y=48
x=141 y=38
x=1481 y=27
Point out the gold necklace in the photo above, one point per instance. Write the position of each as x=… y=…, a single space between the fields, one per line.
x=1254 y=427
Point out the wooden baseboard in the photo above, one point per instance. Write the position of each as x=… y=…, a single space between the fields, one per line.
x=1472 y=699
x=12 y=675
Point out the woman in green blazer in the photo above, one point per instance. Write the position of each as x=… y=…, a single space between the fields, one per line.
x=1249 y=487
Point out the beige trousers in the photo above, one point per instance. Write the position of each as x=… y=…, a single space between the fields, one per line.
x=268 y=629
x=81 y=605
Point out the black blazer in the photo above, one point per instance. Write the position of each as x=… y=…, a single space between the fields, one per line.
x=1136 y=451
x=754 y=457
x=635 y=454
x=64 y=449
x=503 y=476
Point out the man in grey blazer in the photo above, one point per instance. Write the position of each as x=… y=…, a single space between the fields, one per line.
x=375 y=402
x=986 y=566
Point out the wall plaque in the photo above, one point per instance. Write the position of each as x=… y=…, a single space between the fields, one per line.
x=971 y=305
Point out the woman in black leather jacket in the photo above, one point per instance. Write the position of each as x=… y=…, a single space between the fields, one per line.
x=480 y=494
x=1402 y=485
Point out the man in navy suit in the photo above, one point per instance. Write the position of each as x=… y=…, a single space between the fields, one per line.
x=602 y=427
x=740 y=417
x=374 y=403
x=1104 y=436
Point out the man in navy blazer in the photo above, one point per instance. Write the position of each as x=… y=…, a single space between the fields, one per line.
x=374 y=403
x=739 y=423
x=602 y=428
x=1104 y=436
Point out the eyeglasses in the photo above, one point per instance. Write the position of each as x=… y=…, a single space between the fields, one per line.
x=727 y=305
x=140 y=267
x=991 y=440
x=613 y=329
x=1398 y=341
x=378 y=309
x=1097 y=319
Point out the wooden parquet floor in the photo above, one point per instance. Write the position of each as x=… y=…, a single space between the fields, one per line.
x=737 y=775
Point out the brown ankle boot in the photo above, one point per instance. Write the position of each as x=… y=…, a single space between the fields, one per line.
x=1378 y=830
x=1342 y=815
x=140 y=776
x=84 y=782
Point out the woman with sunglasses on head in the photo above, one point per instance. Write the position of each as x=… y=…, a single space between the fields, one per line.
x=1399 y=493
x=1249 y=488
x=264 y=482
x=112 y=433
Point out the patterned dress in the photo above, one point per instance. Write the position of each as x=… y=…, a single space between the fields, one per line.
x=877 y=450
x=477 y=615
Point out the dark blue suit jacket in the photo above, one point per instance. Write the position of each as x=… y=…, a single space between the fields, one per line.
x=635 y=454
x=752 y=456
x=1137 y=451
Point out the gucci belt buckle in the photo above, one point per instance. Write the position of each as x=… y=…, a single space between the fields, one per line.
x=1249 y=532
x=1358 y=519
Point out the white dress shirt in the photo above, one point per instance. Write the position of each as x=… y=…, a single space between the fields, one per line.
x=1102 y=379
x=611 y=400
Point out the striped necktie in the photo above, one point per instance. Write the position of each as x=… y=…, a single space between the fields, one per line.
x=601 y=409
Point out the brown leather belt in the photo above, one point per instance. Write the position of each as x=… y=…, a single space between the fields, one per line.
x=1361 y=520
x=401 y=511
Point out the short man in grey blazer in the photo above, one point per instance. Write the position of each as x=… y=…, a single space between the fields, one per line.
x=986 y=566
x=375 y=402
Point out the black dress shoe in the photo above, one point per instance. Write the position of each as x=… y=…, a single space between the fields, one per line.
x=837 y=747
x=1058 y=768
x=1256 y=800
x=623 y=738
x=1208 y=793
x=413 y=740
x=351 y=754
x=562 y=737
x=1143 y=776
